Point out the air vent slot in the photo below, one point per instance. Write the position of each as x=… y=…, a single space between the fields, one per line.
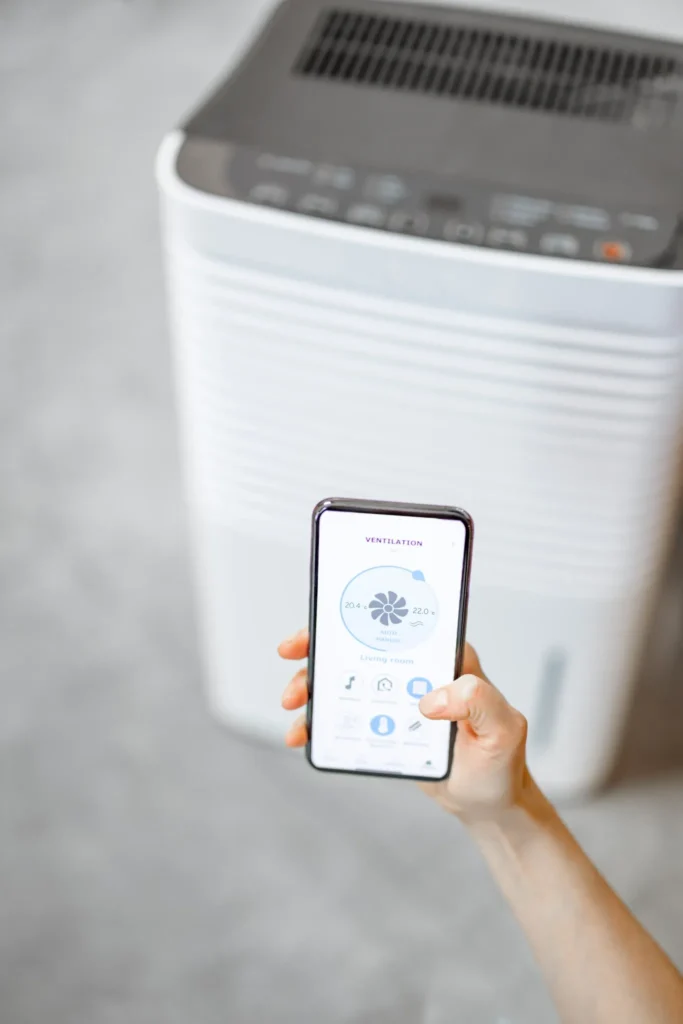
x=641 y=88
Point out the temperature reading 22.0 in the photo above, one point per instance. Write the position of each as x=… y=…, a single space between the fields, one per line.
x=389 y=607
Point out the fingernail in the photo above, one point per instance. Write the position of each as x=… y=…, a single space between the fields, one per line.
x=469 y=688
x=434 y=702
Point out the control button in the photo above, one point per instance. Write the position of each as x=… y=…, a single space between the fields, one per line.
x=418 y=687
x=383 y=685
x=322 y=206
x=283 y=164
x=520 y=211
x=350 y=684
x=385 y=188
x=348 y=723
x=365 y=213
x=613 y=251
x=342 y=178
x=382 y=725
x=271 y=194
x=589 y=217
x=459 y=231
x=508 y=238
x=560 y=245
x=409 y=223
x=640 y=221
x=416 y=732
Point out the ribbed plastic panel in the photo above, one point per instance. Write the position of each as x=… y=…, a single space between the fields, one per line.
x=557 y=441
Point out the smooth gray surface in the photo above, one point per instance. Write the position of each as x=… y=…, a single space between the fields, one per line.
x=153 y=868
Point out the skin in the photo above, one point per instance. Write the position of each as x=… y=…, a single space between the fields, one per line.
x=600 y=964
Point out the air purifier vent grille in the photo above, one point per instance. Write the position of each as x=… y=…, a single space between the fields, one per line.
x=637 y=87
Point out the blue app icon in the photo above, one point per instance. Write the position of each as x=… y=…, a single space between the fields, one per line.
x=418 y=686
x=382 y=725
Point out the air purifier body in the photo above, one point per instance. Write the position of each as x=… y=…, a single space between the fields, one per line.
x=424 y=254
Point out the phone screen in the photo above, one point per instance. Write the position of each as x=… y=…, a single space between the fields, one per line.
x=387 y=623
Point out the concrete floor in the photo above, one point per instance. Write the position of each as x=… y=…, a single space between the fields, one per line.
x=153 y=868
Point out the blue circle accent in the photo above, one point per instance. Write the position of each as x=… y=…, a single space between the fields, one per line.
x=382 y=725
x=418 y=686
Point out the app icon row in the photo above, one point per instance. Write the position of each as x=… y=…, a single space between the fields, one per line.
x=383 y=686
x=384 y=725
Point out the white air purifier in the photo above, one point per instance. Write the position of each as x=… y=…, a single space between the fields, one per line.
x=426 y=254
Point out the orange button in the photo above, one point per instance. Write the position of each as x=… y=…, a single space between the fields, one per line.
x=614 y=252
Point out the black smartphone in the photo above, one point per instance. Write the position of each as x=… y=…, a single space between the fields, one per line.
x=388 y=612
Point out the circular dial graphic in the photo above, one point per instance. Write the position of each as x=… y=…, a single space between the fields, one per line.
x=389 y=608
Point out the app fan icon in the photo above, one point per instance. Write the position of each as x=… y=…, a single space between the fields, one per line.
x=388 y=608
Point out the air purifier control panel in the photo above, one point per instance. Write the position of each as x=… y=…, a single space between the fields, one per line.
x=463 y=212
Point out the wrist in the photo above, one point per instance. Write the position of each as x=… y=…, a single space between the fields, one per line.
x=516 y=823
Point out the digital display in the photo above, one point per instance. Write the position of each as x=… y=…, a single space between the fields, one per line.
x=386 y=629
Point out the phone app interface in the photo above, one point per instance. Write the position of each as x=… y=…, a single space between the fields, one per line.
x=388 y=607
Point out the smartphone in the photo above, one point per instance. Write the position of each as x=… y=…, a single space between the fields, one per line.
x=388 y=612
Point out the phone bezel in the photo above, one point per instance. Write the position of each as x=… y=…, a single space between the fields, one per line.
x=397 y=509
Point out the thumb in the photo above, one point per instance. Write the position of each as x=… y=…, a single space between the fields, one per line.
x=477 y=702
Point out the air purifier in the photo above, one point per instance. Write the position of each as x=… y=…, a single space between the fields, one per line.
x=422 y=253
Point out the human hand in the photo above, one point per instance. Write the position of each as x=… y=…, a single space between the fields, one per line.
x=489 y=774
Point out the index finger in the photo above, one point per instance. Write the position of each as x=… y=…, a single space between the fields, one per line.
x=471 y=666
x=296 y=647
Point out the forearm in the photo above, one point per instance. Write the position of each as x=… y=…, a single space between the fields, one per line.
x=600 y=964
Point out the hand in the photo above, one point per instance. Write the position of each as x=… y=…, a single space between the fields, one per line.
x=489 y=773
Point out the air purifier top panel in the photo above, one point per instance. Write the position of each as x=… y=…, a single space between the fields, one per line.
x=454 y=125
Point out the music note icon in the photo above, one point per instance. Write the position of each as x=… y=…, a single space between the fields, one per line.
x=351 y=684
